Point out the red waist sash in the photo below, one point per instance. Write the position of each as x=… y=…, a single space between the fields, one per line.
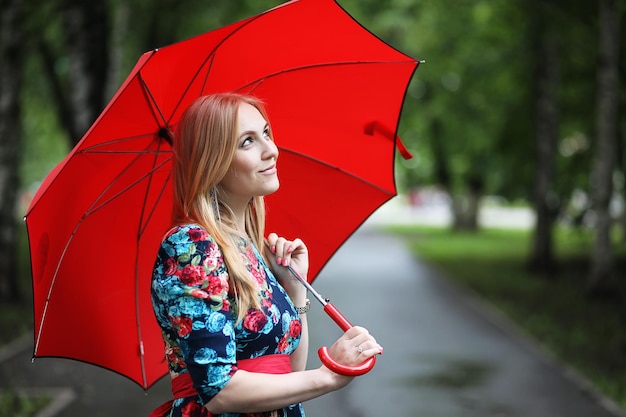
x=182 y=385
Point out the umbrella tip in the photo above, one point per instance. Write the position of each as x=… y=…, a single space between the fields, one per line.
x=422 y=61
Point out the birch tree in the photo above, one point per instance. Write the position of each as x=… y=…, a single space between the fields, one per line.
x=607 y=119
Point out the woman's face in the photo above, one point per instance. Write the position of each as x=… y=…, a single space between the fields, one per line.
x=253 y=170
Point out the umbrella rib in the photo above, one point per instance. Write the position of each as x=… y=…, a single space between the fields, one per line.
x=141 y=228
x=336 y=168
x=259 y=81
x=211 y=57
x=95 y=148
x=95 y=207
x=87 y=213
x=154 y=106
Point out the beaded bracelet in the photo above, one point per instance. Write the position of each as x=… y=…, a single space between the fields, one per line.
x=307 y=306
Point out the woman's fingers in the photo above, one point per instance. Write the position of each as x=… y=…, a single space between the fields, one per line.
x=355 y=346
x=284 y=250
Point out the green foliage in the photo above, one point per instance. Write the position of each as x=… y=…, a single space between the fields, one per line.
x=586 y=333
x=16 y=404
x=473 y=98
x=45 y=143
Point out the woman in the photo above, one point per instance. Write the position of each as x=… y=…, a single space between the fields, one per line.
x=232 y=316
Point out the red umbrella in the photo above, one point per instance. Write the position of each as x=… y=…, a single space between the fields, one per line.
x=333 y=92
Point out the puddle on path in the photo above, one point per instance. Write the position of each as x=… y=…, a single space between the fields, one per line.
x=463 y=379
x=453 y=373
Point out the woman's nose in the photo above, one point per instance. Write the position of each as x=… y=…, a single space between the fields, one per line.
x=271 y=150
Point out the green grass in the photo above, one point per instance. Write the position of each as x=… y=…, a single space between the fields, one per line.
x=585 y=332
x=16 y=404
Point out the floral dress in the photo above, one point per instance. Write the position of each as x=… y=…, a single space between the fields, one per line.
x=193 y=306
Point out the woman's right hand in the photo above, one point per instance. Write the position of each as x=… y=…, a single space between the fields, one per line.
x=353 y=348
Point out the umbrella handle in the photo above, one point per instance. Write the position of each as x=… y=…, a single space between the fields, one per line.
x=329 y=362
x=342 y=322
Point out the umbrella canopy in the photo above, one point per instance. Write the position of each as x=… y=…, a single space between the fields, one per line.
x=333 y=93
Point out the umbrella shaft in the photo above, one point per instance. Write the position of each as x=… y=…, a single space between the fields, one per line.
x=308 y=286
x=337 y=317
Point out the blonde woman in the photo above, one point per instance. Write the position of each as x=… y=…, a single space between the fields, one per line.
x=233 y=318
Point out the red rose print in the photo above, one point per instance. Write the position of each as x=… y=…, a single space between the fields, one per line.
x=199 y=294
x=295 y=328
x=182 y=325
x=197 y=235
x=255 y=321
x=192 y=275
x=213 y=257
x=213 y=251
x=171 y=265
x=283 y=345
x=215 y=286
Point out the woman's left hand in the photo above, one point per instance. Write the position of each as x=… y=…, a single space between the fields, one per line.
x=294 y=253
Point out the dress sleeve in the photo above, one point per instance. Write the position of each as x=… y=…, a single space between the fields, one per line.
x=192 y=298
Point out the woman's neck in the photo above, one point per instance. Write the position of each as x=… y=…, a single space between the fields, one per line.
x=238 y=209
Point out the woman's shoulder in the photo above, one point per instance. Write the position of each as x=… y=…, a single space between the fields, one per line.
x=191 y=236
x=187 y=232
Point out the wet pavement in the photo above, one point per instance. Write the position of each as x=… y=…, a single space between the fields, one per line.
x=446 y=354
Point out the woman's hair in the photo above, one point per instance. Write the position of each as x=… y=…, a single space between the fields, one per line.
x=204 y=146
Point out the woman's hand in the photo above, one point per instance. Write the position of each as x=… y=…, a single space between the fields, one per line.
x=352 y=349
x=294 y=253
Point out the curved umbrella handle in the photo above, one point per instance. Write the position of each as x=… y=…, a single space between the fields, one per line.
x=344 y=324
x=329 y=362
x=345 y=370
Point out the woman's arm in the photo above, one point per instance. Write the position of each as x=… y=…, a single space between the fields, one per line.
x=249 y=392
x=257 y=392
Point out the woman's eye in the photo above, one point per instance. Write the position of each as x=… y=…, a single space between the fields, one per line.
x=247 y=141
x=266 y=133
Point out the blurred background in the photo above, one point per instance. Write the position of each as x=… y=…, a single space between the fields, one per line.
x=516 y=185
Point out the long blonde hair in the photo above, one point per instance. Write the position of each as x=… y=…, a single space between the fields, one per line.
x=204 y=146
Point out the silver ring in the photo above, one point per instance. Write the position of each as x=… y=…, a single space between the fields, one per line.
x=360 y=349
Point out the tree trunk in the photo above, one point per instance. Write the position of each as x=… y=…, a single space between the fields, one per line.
x=547 y=120
x=119 y=31
x=601 y=274
x=86 y=34
x=465 y=211
x=11 y=70
x=440 y=160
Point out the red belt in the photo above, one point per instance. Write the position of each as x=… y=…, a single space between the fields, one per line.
x=182 y=385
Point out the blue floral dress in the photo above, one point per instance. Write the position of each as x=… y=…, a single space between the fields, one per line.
x=197 y=315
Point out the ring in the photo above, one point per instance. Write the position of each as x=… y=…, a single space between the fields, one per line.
x=360 y=349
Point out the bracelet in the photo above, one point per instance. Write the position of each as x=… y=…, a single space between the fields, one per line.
x=307 y=307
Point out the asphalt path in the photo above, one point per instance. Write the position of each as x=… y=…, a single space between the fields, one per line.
x=446 y=354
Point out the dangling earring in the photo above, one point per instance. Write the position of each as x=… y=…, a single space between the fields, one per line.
x=215 y=204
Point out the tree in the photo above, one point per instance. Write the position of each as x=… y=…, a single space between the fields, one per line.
x=11 y=65
x=546 y=137
x=79 y=91
x=607 y=119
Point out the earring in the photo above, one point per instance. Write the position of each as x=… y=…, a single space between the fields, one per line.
x=215 y=204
